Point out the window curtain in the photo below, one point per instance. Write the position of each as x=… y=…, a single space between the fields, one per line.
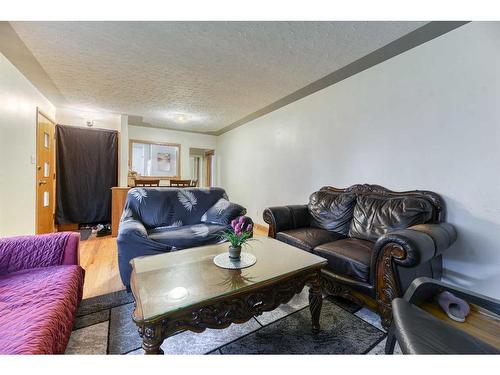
x=87 y=168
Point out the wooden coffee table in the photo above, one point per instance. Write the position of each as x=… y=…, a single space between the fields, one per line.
x=185 y=290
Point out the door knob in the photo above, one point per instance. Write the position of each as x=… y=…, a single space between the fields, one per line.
x=42 y=182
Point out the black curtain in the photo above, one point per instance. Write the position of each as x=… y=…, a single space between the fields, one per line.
x=87 y=168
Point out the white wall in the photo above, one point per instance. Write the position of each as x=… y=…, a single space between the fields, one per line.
x=18 y=102
x=123 y=152
x=185 y=139
x=426 y=119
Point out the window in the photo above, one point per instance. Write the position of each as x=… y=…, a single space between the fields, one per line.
x=155 y=159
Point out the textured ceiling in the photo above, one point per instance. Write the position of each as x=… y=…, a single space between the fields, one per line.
x=197 y=76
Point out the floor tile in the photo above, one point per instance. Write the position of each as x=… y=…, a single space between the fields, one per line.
x=371 y=317
x=106 y=301
x=91 y=319
x=89 y=340
x=298 y=302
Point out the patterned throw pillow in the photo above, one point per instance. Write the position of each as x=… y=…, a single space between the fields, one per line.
x=223 y=212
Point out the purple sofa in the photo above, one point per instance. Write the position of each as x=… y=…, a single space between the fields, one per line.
x=41 y=287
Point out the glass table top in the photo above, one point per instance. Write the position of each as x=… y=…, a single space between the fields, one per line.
x=168 y=282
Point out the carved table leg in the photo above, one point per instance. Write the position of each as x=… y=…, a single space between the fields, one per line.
x=155 y=349
x=151 y=339
x=315 y=302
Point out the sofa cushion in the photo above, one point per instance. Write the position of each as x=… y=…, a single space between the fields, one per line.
x=307 y=238
x=25 y=252
x=223 y=212
x=38 y=309
x=331 y=211
x=375 y=216
x=188 y=235
x=349 y=257
x=165 y=206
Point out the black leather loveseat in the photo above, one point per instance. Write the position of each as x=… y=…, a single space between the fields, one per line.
x=156 y=220
x=376 y=241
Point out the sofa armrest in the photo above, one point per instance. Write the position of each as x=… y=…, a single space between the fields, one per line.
x=404 y=248
x=133 y=241
x=132 y=227
x=71 y=254
x=416 y=245
x=286 y=217
x=35 y=251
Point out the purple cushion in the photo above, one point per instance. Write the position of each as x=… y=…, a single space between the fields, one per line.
x=25 y=252
x=38 y=309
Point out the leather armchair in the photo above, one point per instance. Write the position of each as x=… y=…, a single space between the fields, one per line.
x=419 y=332
x=365 y=267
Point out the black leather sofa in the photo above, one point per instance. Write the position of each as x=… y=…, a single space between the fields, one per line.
x=376 y=241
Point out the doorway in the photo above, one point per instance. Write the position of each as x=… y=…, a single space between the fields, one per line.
x=45 y=174
x=209 y=168
x=202 y=166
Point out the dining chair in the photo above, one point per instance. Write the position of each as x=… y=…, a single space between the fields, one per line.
x=143 y=182
x=180 y=183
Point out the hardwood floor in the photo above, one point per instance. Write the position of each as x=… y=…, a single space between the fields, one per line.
x=99 y=258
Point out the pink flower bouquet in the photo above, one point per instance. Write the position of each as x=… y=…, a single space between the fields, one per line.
x=239 y=232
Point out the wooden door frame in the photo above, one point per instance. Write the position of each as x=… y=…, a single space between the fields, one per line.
x=209 y=155
x=43 y=114
x=197 y=167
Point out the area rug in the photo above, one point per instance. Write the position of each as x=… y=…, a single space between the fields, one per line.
x=104 y=326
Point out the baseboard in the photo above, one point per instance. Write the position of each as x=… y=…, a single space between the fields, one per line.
x=67 y=227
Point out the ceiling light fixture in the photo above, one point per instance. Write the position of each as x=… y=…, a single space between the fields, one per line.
x=180 y=118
